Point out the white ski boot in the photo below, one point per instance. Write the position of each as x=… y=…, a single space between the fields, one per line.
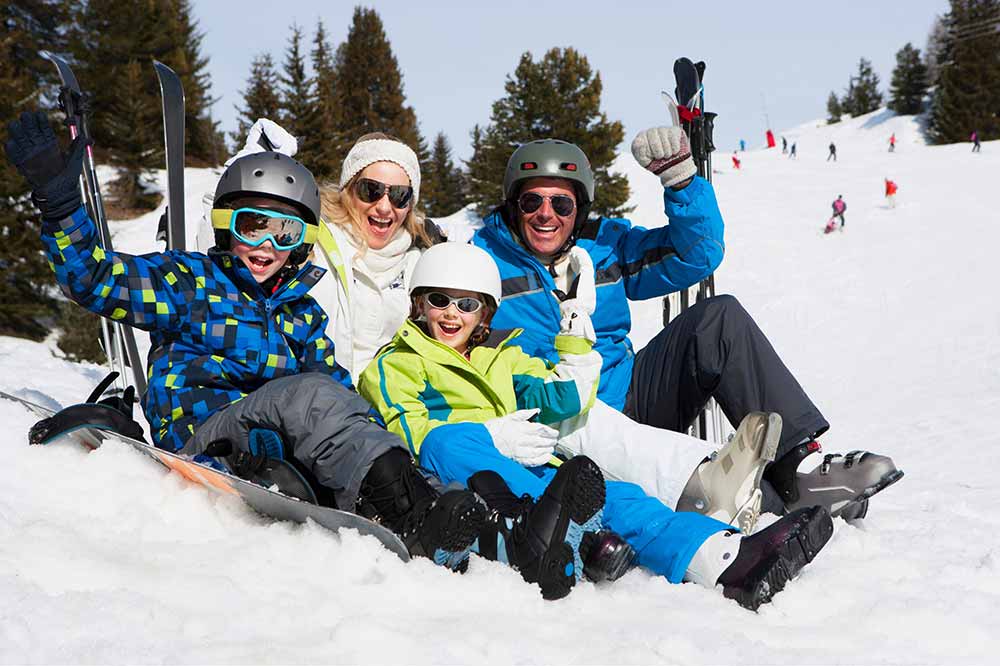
x=727 y=487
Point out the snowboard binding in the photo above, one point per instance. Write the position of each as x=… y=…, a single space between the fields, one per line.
x=113 y=413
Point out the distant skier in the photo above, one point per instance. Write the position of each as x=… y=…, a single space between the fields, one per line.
x=890 y=193
x=784 y=145
x=792 y=154
x=743 y=146
x=770 y=138
x=833 y=152
x=892 y=143
x=974 y=138
x=839 y=208
x=736 y=162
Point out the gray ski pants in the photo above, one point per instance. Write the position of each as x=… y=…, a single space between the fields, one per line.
x=324 y=424
x=715 y=349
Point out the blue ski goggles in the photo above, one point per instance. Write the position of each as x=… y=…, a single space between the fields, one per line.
x=254 y=226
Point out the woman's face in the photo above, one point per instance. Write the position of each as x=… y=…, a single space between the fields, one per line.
x=380 y=220
x=449 y=325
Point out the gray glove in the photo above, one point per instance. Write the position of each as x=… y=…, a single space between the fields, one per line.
x=666 y=152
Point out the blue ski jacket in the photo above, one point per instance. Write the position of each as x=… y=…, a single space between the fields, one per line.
x=215 y=335
x=631 y=263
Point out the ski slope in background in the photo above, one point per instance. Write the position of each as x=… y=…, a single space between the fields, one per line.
x=893 y=327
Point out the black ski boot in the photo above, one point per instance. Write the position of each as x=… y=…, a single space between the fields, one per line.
x=542 y=540
x=775 y=555
x=606 y=556
x=842 y=483
x=442 y=527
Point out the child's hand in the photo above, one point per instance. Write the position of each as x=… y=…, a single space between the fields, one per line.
x=516 y=437
x=54 y=177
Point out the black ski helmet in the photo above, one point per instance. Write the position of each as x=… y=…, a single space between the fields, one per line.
x=549 y=158
x=274 y=175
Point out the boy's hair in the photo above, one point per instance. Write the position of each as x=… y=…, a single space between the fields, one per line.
x=340 y=206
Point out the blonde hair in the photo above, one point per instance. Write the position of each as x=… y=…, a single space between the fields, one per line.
x=340 y=206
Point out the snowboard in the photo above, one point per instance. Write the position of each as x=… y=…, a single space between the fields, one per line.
x=262 y=500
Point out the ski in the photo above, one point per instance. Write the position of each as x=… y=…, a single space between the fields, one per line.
x=687 y=109
x=263 y=500
x=172 y=96
x=119 y=340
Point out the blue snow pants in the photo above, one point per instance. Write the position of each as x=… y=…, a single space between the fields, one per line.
x=664 y=540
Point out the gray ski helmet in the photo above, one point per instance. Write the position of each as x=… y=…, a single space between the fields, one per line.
x=271 y=174
x=549 y=158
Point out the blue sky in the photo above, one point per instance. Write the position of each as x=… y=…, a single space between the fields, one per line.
x=455 y=56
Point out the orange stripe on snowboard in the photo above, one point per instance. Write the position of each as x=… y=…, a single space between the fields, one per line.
x=194 y=472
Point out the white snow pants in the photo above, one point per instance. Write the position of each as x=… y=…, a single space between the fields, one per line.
x=659 y=461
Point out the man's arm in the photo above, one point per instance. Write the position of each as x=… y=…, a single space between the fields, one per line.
x=656 y=262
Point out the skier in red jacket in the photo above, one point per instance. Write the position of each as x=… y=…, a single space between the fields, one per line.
x=890 y=192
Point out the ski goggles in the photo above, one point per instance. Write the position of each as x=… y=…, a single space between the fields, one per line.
x=561 y=204
x=466 y=304
x=254 y=226
x=370 y=191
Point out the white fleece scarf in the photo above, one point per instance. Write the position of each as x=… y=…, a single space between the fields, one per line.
x=383 y=266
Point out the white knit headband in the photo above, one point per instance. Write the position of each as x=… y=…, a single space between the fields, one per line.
x=382 y=150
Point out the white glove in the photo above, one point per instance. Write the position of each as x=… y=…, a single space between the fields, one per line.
x=576 y=311
x=666 y=152
x=265 y=131
x=530 y=444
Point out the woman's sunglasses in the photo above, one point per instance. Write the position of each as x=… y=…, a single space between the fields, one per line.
x=370 y=191
x=466 y=304
x=562 y=205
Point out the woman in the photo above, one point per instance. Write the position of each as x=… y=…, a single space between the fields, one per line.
x=370 y=239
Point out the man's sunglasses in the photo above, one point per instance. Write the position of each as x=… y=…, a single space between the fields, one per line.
x=254 y=226
x=370 y=191
x=562 y=205
x=466 y=304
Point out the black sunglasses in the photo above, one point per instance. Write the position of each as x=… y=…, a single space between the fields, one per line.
x=562 y=205
x=370 y=191
x=466 y=304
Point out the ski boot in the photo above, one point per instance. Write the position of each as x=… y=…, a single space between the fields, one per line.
x=727 y=486
x=841 y=482
x=752 y=569
x=766 y=561
x=542 y=539
x=606 y=556
x=441 y=527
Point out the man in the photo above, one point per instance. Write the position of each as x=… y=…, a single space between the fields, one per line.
x=833 y=152
x=713 y=349
x=839 y=208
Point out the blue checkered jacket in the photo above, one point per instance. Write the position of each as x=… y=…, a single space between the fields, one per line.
x=216 y=336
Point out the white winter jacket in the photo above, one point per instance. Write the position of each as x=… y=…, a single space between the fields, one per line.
x=363 y=316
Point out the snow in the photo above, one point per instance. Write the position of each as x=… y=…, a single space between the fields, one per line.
x=891 y=326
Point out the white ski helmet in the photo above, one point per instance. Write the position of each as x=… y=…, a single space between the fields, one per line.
x=457 y=266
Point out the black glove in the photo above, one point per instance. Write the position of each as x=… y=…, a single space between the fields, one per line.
x=247 y=462
x=54 y=177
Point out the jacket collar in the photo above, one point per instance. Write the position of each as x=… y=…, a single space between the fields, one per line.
x=308 y=275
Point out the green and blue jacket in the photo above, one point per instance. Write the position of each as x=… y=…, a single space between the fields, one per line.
x=418 y=384
x=215 y=335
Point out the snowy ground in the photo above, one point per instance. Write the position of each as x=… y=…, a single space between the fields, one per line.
x=892 y=327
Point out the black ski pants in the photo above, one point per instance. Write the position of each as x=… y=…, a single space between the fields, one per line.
x=715 y=349
x=324 y=424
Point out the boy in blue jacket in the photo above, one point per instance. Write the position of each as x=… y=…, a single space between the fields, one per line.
x=237 y=344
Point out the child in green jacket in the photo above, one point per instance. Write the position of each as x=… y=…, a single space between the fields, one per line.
x=463 y=398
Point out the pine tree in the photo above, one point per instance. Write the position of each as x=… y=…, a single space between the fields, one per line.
x=297 y=100
x=204 y=143
x=909 y=82
x=558 y=96
x=323 y=160
x=933 y=50
x=135 y=121
x=27 y=308
x=967 y=96
x=369 y=93
x=260 y=99
x=833 y=109
x=442 y=187
x=862 y=94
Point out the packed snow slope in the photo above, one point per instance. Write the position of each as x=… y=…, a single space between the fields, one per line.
x=891 y=326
